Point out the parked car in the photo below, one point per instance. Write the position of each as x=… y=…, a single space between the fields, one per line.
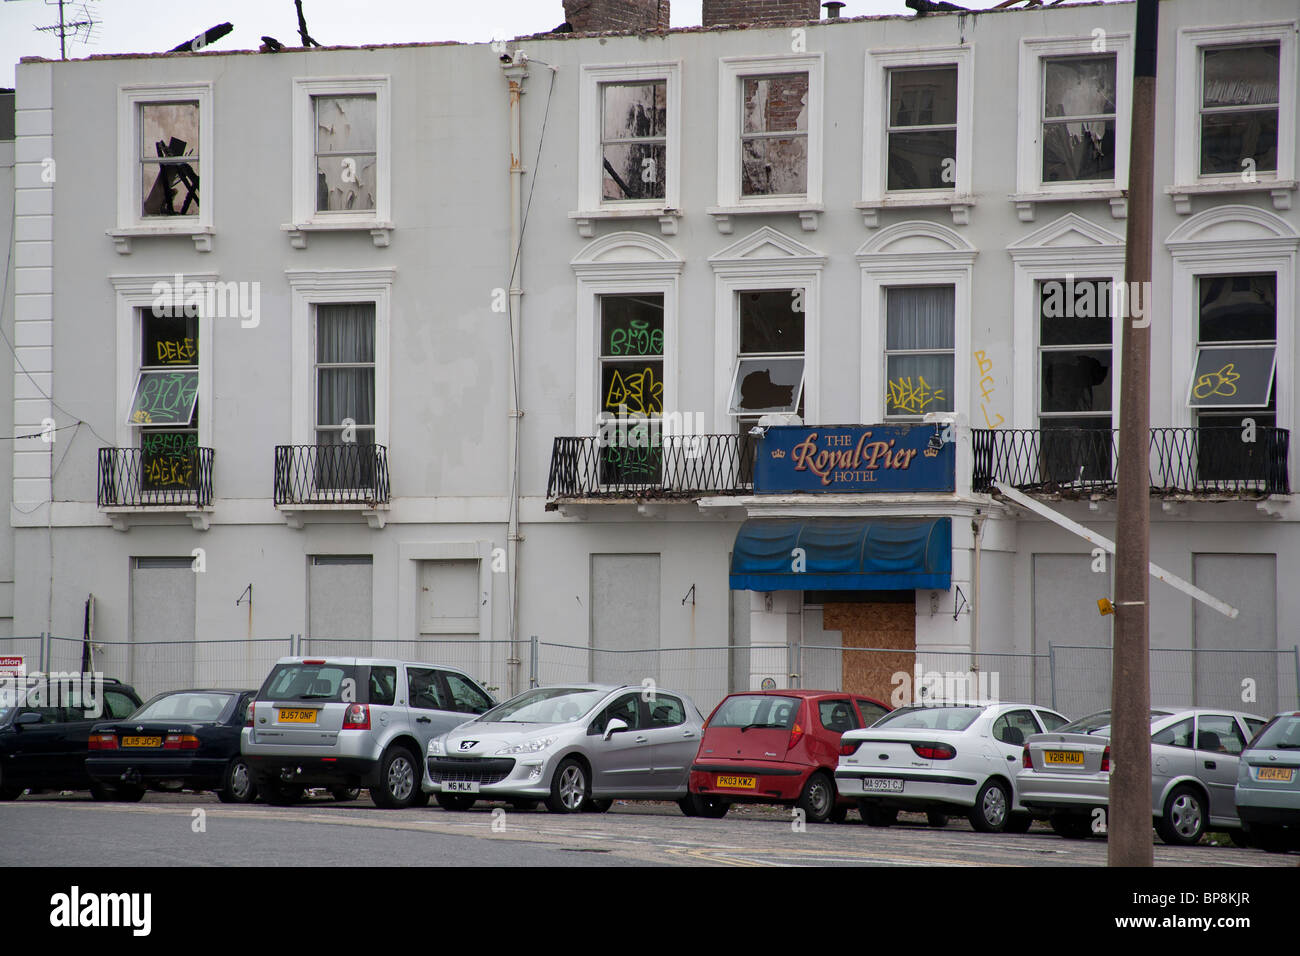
x=939 y=758
x=1194 y=755
x=346 y=722
x=577 y=747
x=778 y=746
x=44 y=748
x=1268 y=784
x=181 y=740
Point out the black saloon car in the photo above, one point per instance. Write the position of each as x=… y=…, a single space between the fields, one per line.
x=181 y=740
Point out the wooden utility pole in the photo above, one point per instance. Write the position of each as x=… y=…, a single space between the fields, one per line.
x=1129 y=823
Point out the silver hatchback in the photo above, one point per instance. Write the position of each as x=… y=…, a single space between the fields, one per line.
x=347 y=722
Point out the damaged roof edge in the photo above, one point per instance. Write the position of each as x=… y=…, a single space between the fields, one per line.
x=562 y=37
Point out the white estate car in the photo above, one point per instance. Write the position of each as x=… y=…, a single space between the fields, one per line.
x=943 y=758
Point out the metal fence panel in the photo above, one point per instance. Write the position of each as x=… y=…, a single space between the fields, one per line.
x=31 y=649
x=485 y=661
x=701 y=673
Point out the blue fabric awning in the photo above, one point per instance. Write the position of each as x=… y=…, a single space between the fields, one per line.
x=842 y=554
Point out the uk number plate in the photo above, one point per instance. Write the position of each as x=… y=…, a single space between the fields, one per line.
x=460 y=786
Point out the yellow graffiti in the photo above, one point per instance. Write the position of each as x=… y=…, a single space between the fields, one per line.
x=640 y=393
x=908 y=398
x=1223 y=382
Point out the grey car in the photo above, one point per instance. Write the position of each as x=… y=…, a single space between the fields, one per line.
x=576 y=747
x=347 y=722
x=1065 y=774
x=1268 y=785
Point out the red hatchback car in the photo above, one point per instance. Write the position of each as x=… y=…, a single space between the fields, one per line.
x=778 y=746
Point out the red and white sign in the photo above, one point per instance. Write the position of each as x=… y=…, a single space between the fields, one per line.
x=12 y=666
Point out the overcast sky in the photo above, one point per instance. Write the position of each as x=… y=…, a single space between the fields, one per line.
x=151 y=26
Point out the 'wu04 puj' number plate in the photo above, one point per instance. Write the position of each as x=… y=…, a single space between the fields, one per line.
x=297 y=716
x=738 y=783
x=1067 y=758
x=1276 y=773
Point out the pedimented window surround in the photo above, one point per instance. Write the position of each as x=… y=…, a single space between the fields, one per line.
x=1070 y=245
x=621 y=263
x=765 y=259
x=913 y=253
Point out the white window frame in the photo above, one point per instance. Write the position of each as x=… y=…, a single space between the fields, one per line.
x=876 y=194
x=306 y=218
x=732 y=71
x=309 y=288
x=136 y=292
x=621 y=263
x=1188 y=181
x=592 y=207
x=1030 y=188
x=886 y=354
x=1068 y=245
x=130 y=223
x=749 y=266
x=914 y=253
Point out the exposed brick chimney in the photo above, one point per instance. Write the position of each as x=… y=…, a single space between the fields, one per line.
x=737 y=12
x=601 y=16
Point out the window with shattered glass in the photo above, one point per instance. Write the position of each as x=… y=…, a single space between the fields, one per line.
x=346 y=134
x=634 y=140
x=1078 y=118
x=774 y=135
x=922 y=128
x=169 y=159
x=631 y=402
x=769 y=374
x=1239 y=108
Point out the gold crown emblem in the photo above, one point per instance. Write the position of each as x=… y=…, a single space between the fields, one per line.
x=930 y=452
x=778 y=453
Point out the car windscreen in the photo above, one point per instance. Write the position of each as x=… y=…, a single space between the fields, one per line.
x=930 y=718
x=1282 y=734
x=757 y=711
x=191 y=707
x=1099 y=723
x=545 y=705
x=310 y=681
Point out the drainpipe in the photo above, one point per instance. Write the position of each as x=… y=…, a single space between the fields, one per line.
x=514 y=65
x=977 y=528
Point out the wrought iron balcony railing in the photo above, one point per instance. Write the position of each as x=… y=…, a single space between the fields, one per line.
x=1211 y=461
x=663 y=466
x=350 y=473
x=155 y=476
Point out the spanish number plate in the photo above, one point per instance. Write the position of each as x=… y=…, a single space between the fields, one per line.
x=882 y=785
x=297 y=716
x=141 y=741
x=1067 y=758
x=1276 y=773
x=460 y=786
x=738 y=783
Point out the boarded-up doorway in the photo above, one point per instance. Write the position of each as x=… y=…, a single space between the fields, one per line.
x=162 y=625
x=624 y=617
x=887 y=621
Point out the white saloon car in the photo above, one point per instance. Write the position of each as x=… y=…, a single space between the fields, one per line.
x=943 y=758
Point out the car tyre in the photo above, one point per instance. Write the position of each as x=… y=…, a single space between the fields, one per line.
x=1019 y=823
x=1071 y=826
x=345 y=794
x=570 y=788
x=597 y=806
x=992 y=807
x=936 y=820
x=524 y=806
x=279 y=794
x=8 y=793
x=238 y=785
x=1184 y=820
x=874 y=815
x=687 y=805
x=839 y=813
x=817 y=799
x=128 y=794
x=711 y=808
x=101 y=792
x=399 y=780
x=457 y=803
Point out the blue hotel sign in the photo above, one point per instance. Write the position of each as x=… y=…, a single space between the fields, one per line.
x=837 y=459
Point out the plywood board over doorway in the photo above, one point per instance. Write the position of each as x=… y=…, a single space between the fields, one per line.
x=885 y=625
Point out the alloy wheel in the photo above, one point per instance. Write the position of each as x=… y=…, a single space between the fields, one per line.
x=573 y=788
x=401 y=778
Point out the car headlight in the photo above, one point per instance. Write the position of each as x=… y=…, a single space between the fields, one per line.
x=435 y=748
x=529 y=746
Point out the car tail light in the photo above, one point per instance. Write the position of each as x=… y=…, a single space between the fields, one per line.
x=849 y=747
x=935 y=751
x=1026 y=761
x=248 y=721
x=1105 y=760
x=795 y=736
x=103 y=741
x=357 y=717
x=181 y=742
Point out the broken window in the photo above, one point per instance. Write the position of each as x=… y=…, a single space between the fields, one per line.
x=346 y=134
x=631 y=387
x=769 y=373
x=922 y=128
x=164 y=404
x=1239 y=108
x=1078 y=118
x=1075 y=333
x=633 y=140
x=169 y=159
x=919 y=350
x=774 y=135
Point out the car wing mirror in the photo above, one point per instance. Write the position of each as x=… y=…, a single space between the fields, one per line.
x=28 y=717
x=615 y=726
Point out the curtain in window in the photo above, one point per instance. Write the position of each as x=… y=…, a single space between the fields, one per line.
x=345 y=336
x=920 y=319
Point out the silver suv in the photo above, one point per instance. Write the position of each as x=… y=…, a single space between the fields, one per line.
x=348 y=722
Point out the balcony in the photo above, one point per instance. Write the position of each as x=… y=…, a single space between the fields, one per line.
x=665 y=467
x=331 y=475
x=1080 y=462
x=136 y=481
